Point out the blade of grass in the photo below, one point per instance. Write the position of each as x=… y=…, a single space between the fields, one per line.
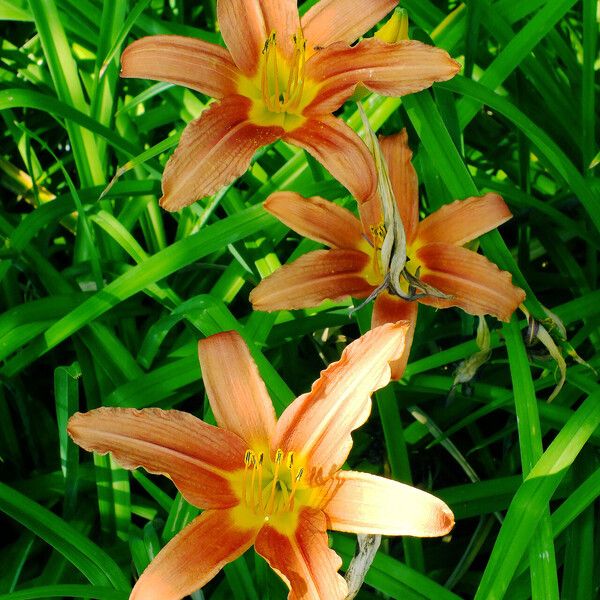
x=588 y=92
x=531 y=500
x=66 y=395
x=68 y=88
x=435 y=137
x=391 y=577
x=157 y=267
x=133 y=15
x=514 y=52
x=66 y=590
x=87 y=557
x=26 y=98
x=547 y=148
x=544 y=581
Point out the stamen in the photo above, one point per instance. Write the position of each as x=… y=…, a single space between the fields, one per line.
x=295 y=481
x=271 y=502
x=300 y=90
x=247 y=462
x=293 y=73
x=269 y=48
x=297 y=87
x=261 y=458
x=253 y=497
x=276 y=75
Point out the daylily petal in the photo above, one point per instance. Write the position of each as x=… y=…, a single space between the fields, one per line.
x=282 y=18
x=237 y=394
x=476 y=285
x=317 y=425
x=340 y=150
x=463 y=220
x=404 y=180
x=391 y=309
x=246 y=24
x=186 y=61
x=196 y=456
x=331 y=21
x=193 y=557
x=371 y=215
x=388 y=69
x=242 y=26
x=364 y=503
x=304 y=560
x=316 y=218
x=311 y=279
x=214 y=149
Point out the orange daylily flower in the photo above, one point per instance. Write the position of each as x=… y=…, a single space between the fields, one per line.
x=280 y=77
x=352 y=267
x=273 y=483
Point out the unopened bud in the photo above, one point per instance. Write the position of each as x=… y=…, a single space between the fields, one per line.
x=396 y=28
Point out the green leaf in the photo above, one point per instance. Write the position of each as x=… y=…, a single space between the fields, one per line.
x=531 y=500
x=544 y=582
x=86 y=556
x=137 y=278
x=14 y=10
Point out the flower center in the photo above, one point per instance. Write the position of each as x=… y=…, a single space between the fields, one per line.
x=282 y=81
x=269 y=487
x=408 y=285
x=280 y=90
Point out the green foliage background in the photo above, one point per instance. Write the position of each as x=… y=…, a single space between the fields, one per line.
x=104 y=296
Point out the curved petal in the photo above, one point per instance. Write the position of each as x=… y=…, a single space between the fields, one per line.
x=371 y=215
x=214 y=150
x=331 y=21
x=317 y=219
x=193 y=557
x=246 y=24
x=196 y=456
x=314 y=277
x=388 y=69
x=364 y=503
x=403 y=176
x=477 y=285
x=317 y=425
x=391 y=309
x=463 y=220
x=187 y=61
x=340 y=151
x=304 y=560
x=237 y=394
